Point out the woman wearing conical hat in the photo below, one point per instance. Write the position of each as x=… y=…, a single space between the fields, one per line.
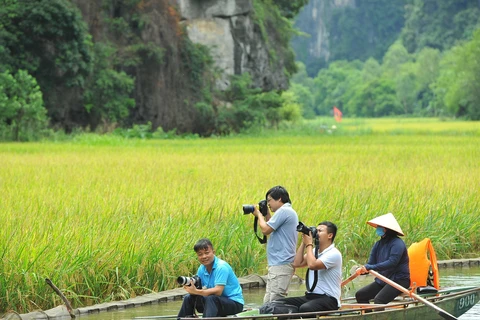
x=389 y=257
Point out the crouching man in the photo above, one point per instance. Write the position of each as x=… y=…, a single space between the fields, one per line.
x=220 y=293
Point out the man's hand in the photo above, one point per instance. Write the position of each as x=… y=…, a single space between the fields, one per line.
x=191 y=288
x=307 y=239
x=256 y=212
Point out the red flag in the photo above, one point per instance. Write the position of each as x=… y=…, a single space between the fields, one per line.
x=337 y=114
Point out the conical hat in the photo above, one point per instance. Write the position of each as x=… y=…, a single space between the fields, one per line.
x=387 y=221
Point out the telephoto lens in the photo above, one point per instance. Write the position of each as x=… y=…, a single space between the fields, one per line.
x=185 y=281
x=248 y=208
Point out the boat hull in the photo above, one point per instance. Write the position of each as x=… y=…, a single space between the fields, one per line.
x=455 y=303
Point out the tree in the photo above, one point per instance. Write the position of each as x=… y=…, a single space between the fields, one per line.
x=22 y=115
x=290 y=8
x=406 y=86
x=376 y=98
x=365 y=30
x=304 y=97
x=107 y=97
x=333 y=83
x=438 y=24
x=49 y=39
x=394 y=58
x=427 y=70
x=458 y=85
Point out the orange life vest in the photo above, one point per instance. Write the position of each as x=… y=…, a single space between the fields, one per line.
x=423 y=271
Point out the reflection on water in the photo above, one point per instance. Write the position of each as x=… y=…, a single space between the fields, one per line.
x=254 y=297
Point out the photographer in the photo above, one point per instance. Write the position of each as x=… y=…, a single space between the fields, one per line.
x=281 y=228
x=324 y=274
x=220 y=293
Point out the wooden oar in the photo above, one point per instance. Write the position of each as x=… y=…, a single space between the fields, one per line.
x=353 y=276
x=444 y=314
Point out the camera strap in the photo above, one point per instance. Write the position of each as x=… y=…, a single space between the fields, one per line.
x=315 y=274
x=255 y=223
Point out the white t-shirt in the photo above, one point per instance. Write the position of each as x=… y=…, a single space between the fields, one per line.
x=329 y=279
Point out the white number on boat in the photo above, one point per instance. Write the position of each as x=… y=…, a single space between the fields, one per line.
x=467 y=301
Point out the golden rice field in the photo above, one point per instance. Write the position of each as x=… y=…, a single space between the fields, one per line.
x=107 y=218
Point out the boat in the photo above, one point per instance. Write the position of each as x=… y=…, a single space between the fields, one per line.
x=454 y=301
x=435 y=303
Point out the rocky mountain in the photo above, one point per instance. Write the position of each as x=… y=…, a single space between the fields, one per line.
x=165 y=93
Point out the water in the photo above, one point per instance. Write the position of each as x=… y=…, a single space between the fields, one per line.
x=254 y=297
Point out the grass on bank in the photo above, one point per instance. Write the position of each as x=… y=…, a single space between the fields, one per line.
x=108 y=218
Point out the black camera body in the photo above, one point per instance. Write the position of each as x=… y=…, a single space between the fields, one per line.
x=186 y=281
x=306 y=230
x=262 y=206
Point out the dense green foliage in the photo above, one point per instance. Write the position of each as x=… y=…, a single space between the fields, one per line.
x=48 y=39
x=107 y=95
x=416 y=77
x=95 y=81
x=423 y=84
x=290 y=8
x=458 y=86
x=365 y=29
x=439 y=24
x=22 y=115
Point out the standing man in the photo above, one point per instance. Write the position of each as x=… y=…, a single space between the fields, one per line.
x=324 y=274
x=282 y=231
x=220 y=295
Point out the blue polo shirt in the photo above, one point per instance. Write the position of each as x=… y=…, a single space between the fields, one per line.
x=222 y=275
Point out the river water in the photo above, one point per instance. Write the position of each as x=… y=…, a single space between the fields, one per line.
x=254 y=297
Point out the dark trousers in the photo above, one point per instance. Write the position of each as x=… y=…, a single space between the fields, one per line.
x=312 y=302
x=380 y=294
x=210 y=306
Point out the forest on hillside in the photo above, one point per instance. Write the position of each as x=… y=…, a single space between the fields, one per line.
x=60 y=72
x=394 y=58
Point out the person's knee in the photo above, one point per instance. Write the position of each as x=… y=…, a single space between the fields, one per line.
x=209 y=298
x=379 y=299
x=305 y=308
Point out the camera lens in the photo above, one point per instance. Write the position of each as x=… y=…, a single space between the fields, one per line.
x=248 y=208
x=183 y=281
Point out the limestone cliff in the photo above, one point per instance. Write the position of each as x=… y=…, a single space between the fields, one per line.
x=312 y=21
x=236 y=44
x=164 y=92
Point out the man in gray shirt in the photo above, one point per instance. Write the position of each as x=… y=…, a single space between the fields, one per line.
x=282 y=242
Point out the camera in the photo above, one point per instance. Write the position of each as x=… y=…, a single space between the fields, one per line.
x=262 y=207
x=185 y=281
x=306 y=230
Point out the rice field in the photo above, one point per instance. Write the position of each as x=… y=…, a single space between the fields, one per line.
x=107 y=218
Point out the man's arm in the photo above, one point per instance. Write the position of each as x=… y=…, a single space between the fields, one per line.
x=299 y=260
x=309 y=258
x=262 y=223
x=217 y=290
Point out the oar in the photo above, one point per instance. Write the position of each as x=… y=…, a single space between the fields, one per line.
x=440 y=311
x=353 y=276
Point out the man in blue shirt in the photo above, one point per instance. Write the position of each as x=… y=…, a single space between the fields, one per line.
x=220 y=295
x=282 y=242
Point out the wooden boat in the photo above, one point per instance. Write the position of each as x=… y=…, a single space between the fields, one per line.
x=454 y=301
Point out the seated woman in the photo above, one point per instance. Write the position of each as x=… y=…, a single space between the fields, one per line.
x=389 y=257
